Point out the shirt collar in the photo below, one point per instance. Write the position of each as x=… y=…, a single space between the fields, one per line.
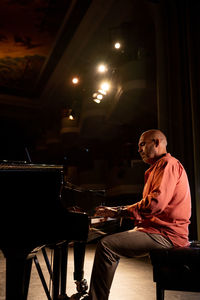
x=161 y=157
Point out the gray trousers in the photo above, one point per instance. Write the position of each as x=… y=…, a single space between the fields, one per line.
x=108 y=252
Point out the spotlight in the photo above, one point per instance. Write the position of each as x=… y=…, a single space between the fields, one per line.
x=117 y=45
x=97 y=100
x=71 y=117
x=70 y=114
x=99 y=96
x=105 y=86
x=102 y=68
x=75 y=80
x=102 y=92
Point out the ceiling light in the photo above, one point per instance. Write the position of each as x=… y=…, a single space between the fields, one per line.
x=102 y=68
x=102 y=92
x=99 y=96
x=71 y=117
x=117 y=45
x=105 y=86
x=97 y=100
x=75 y=80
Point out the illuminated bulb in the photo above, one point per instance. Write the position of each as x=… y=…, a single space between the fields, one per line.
x=102 y=68
x=75 y=80
x=99 y=96
x=71 y=117
x=94 y=95
x=105 y=86
x=102 y=92
x=97 y=101
x=117 y=45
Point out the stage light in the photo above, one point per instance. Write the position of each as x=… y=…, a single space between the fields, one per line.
x=102 y=68
x=75 y=80
x=102 y=92
x=105 y=86
x=97 y=101
x=99 y=96
x=71 y=117
x=117 y=45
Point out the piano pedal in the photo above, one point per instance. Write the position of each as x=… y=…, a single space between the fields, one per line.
x=81 y=286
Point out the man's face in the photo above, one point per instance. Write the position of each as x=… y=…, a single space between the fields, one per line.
x=147 y=149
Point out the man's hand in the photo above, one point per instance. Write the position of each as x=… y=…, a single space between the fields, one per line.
x=105 y=211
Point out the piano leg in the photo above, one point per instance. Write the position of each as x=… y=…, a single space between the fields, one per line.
x=27 y=276
x=64 y=260
x=79 y=256
x=18 y=271
x=60 y=272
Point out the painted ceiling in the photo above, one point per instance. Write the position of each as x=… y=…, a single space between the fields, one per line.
x=27 y=32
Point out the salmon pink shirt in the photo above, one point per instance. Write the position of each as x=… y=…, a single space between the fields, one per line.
x=166 y=204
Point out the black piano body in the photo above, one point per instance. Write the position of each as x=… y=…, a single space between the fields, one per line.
x=32 y=216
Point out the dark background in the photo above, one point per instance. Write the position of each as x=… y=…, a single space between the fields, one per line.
x=154 y=78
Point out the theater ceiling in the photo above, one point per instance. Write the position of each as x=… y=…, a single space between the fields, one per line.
x=45 y=43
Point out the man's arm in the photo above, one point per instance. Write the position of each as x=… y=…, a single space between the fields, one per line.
x=154 y=202
x=160 y=192
x=112 y=212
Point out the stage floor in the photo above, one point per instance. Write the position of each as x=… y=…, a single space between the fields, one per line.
x=133 y=279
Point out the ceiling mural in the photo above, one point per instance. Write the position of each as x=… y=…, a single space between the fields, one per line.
x=27 y=31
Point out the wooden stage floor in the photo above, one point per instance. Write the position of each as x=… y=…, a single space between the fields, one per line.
x=133 y=279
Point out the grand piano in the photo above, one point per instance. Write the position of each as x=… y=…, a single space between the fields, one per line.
x=33 y=217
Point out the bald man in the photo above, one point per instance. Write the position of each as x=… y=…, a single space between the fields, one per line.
x=161 y=217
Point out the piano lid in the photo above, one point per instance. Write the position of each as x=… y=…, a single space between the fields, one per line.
x=23 y=165
x=18 y=158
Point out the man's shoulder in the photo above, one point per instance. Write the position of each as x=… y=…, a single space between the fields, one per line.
x=170 y=158
x=171 y=162
x=164 y=161
x=167 y=159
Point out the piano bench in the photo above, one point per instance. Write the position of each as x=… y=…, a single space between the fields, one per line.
x=176 y=269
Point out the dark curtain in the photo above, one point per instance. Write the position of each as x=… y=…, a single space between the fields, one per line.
x=179 y=111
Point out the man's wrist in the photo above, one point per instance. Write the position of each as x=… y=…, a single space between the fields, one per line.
x=121 y=212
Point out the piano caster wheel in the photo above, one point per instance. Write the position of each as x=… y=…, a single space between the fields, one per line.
x=82 y=286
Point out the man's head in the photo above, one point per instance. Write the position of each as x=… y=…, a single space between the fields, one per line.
x=152 y=145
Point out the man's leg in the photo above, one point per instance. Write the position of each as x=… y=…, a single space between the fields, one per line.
x=110 y=249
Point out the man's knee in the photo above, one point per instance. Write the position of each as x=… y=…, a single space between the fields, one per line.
x=105 y=249
x=103 y=243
